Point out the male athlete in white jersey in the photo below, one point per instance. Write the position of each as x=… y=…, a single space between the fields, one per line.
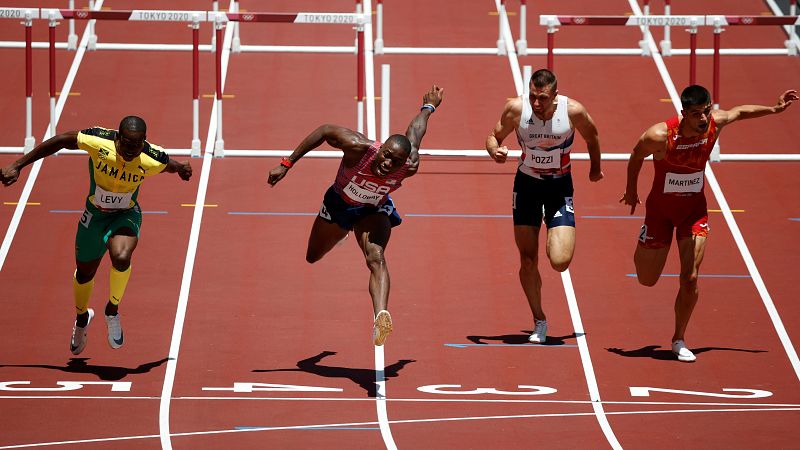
x=545 y=123
x=359 y=198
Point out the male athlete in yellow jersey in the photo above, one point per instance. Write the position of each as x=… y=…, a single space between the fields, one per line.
x=118 y=163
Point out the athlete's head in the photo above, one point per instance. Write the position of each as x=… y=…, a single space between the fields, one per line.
x=131 y=136
x=543 y=90
x=392 y=155
x=696 y=103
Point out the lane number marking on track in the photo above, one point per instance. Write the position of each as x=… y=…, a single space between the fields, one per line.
x=642 y=391
x=451 y=389
x=116 y=386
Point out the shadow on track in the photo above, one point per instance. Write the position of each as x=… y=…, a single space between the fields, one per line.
x=520 y=339
x=654 y=352
x=105 y=373
x=362 y=377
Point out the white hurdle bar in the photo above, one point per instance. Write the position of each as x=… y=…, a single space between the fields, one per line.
x=220 y=20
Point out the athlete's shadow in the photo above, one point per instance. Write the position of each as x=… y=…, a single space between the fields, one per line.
x=362 y=377
x=105 y=373
x=520 y=339
x=655 y=352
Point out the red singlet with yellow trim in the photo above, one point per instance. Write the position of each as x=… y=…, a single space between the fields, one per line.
x=680 y=172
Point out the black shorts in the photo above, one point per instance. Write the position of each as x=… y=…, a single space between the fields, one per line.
x=335 y=210
x=548 y=199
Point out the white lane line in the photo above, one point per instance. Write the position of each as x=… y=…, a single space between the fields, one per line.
x=588 y=368
x=409 y=421
x=380 y=400
x=380 y=379
x=394 y=400
x=583 y=346
x=191 y=253
x=369 y=76
x=755 y=275
x=35 y=167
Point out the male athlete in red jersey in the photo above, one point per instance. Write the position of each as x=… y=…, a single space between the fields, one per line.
x=359 y=197
x=680 y=148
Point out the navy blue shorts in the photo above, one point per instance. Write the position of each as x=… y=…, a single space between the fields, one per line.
x=548 y=199
x=335 y=210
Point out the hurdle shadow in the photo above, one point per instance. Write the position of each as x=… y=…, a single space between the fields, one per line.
x=365 y=378
x=520 y=339
x=656 y=352
x=105 y=373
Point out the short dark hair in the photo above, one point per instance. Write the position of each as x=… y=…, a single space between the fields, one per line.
x=133 y=123
x=401 y=141
x=544 y=78
x=694 y=95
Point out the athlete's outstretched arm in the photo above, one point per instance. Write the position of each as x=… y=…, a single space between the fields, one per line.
x=650 y=143
x=585 y=125
x=741 y=112
x=419 y=125
x=353 y=145
x=184 y=170
x=10 y=174
x=509 y=121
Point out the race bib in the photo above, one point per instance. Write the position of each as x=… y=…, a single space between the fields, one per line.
x=541 y=159
x=683 y=182
x=112 y=200
x=362 y=195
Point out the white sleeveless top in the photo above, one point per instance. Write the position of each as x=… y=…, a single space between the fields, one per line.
x=545 y=144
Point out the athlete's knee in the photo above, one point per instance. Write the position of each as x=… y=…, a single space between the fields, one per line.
x=689 y=280
x=121 y=259
x=528 y=260
x=560 y=264
x=375 y=260
x=648 y=280
x=84 y=275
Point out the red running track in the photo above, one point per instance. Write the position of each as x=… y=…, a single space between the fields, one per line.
x=258 y=315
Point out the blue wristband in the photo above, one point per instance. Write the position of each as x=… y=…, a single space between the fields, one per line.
x=429 y=107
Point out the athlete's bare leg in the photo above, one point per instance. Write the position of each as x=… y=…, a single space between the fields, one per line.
x=691 y=251
x=560 y=247
x=324 y=236
x=527 y=239
x=373 y=233
x=649 y=263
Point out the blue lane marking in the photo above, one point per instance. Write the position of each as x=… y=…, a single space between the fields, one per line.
x=459 y=216
x=266 y=213
x=701 y=275
x=71 y=211
x=311 y=428
x=464 y=216
x=507 y=345
x=612 y=217
x=796 y=219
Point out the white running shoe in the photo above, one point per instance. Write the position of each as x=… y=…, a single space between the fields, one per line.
x=80 y=335
x=382 y=327
x=683 y=353
x=539 y=335
x=115 y=338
